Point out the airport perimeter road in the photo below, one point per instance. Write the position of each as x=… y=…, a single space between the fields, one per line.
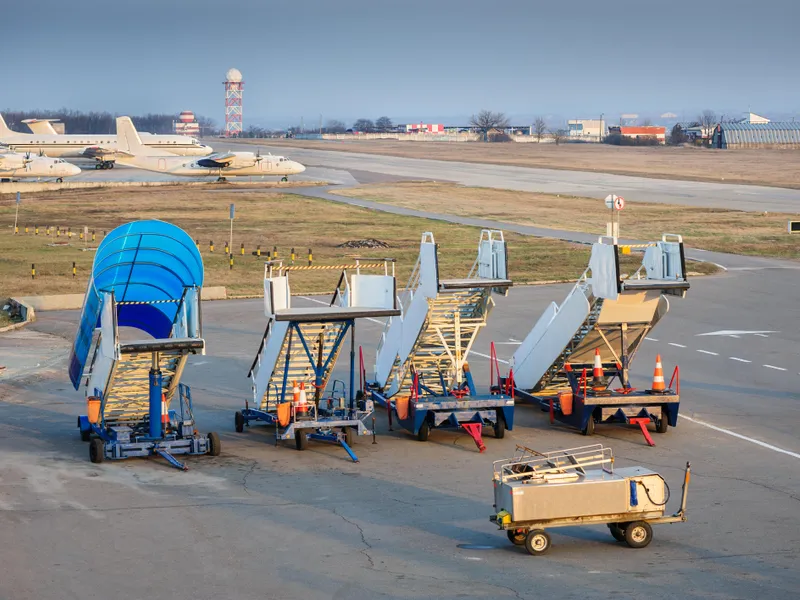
x=411 y=519
x=576 y=183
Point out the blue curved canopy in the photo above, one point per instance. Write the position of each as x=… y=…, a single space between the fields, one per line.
x=147 y=265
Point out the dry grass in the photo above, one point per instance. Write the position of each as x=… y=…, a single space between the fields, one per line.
x=708 y=228
x=262 y=218
x=763 y=167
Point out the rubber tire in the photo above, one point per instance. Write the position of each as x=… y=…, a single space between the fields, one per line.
x=349 y=436
x=618 y=531
x=517 y=537
x=500 y=426
x=534 y=541
x=589 y=430
x=662 y=424
x=424 y=431
x=238 y=421
x=214 y=445
x=633 y=533
x=301 y=439
x=97 y=451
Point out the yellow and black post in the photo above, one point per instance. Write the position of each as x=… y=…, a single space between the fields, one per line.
x=35 y=230
x=292 y=255
x=274 y=253
x=33 y=271
x=242 y=248
x=26 y=229
x=93 y=235
x=227 y=248
x=211 y=246
x=74 y=270
x=80 y=236
x=258 y=250
x=310 y=257
x=230 y=258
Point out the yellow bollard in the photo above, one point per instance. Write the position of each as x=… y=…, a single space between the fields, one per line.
x=80 y=236
x=211 y=246
x=310 y=257
x=227 y=249
x=258 y=250
x=93 y=235
x=58 y=231
x=35 y=230
x=33 y=271
x=230 y=257
x=74 y=270
x=292 y=255
x=626 y=249
x=242 y=249
x=26 y=229
x=274 y=253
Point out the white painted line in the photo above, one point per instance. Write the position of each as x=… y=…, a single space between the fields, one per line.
x=328 y=304
x=773 y=367
x=677 y=345
x=507 y=343
x=761 y=335
x=739 y=359
x=649 y=339
x=505 y=362
x=742 y=437
x=197 y=364
x=707 y=352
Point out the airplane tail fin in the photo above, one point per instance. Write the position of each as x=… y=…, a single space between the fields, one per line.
x=128 y=139
x=4 y=130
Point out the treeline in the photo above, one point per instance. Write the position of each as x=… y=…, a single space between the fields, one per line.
x=76 y=121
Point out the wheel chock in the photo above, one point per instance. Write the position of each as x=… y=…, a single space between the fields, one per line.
x=642 y=423
x=474 y=429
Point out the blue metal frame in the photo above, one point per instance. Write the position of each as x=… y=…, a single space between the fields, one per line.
x=447 y=411
x=125 y=442
x=324 y=428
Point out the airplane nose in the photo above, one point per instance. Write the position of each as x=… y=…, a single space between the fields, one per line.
x=73 y=170
x=299 y=168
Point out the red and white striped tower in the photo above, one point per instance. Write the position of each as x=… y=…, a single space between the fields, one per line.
x=233 y=102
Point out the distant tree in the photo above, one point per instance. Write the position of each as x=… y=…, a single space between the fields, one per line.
x=487 y=120
x=559 y=135
x=539 y=128
x=647 y=123
x=335 y=126
x=678 y=136
x=707 y=119
x=384 y=124
x=364 y=125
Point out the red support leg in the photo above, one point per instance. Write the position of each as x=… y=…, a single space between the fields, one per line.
x=474 y=429
x=642 y=423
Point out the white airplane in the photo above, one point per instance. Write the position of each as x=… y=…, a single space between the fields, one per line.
x=41 y=126
x=133 y=153
x=101 y=148
x=15 y=166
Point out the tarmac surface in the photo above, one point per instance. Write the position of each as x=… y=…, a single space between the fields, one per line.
x=411 y=519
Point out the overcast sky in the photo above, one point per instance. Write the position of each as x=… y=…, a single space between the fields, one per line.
x=429 y=60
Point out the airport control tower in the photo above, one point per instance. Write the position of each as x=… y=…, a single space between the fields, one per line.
x=233 y=102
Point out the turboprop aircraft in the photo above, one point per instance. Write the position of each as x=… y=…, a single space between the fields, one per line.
x=15 y=166
x=101 y=148
x=133 y=153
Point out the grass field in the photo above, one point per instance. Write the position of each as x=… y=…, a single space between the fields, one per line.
x=708 y=228
x=763 y=167
x=262 y=218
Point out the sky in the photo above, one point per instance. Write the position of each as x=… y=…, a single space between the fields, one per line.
x=412 y=60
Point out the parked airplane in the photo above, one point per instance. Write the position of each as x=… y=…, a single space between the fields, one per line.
x=15 y=166
x=101 y=148
x=132 y=152
x=41 y=126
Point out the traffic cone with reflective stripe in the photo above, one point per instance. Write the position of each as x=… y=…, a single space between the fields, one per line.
x=302 y=407
x=658 y=376
x=164 y=414
x=598 y=379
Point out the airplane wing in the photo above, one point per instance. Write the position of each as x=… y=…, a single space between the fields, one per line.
x=98 y=153
x=222 y=158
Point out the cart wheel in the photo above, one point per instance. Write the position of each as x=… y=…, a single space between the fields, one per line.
x=238 y=421
x=589 y=430
x=500 y=426
x=301 y=439
x=517 y=536
x=638 y=534
x=424 y=431
x=618 y=531
x=349 y=436
x=214 y=445
x=97 y=450
x=662 y=424
x=537 y=542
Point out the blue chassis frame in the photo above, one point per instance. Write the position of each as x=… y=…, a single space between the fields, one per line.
x=123 y=442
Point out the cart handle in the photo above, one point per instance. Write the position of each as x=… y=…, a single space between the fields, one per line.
x=676 y=375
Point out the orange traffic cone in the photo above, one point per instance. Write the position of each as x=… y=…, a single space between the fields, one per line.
x=658 y=376
x=598 y=379
x=302 y=407
x=164 y=413
x=295 y=392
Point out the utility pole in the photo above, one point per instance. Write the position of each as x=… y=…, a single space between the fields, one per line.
x=320 y=124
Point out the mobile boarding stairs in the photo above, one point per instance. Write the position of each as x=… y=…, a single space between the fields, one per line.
x=421 y=370
x=611 y=313
x=298 y=353
x=147 y=276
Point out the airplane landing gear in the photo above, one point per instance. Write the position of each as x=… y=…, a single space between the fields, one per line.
x=221 y=179
x=284 y=179
x=104 y=164
x=59 y=180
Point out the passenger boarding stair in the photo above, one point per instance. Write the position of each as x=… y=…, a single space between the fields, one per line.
x=603 y=311
x=440 y=318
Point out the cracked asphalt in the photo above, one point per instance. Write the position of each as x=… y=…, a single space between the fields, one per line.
x=410 y=520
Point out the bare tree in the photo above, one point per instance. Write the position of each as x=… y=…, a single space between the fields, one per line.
x=707 y=119
x=335 y=126
x=647 y=123
x=559 y=135
x=486 y=121
x=365 y=125
x=383 y=124
x=539 y=128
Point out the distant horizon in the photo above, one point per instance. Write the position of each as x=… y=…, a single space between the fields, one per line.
x=422 y=61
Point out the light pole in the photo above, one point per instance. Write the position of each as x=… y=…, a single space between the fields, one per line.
x=600 y=135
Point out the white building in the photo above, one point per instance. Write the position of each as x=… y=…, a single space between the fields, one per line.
x=587 y=129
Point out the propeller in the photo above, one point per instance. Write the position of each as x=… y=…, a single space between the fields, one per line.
x=258 y=155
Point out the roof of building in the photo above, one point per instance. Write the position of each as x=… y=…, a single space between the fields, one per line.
x=640 y=129
x=775 y=132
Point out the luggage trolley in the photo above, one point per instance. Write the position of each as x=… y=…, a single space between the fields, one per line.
x=579 y=486
x=299 y=350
